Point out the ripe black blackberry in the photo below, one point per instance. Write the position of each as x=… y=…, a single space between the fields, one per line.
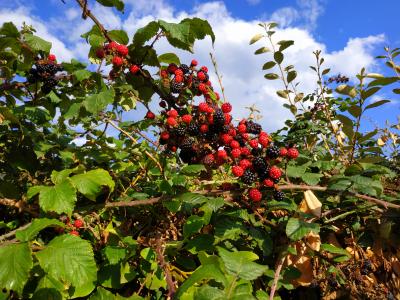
x=187 y=144
x=212 y=136
x=279 y=195
x=253 y=127
x=176 y=87
x=193 y=129
x=180 y=130
x=48 y=85
x=273 y=152
x=263 y=174
x=256 y=151
x=225 y=129
x=248 y=177
x=241 y=140
x=219 y=118
x=187 y=156
x=185 y=69
x=259 y=164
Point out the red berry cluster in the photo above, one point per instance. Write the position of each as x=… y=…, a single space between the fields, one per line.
x=117 y=54
x=72 y=227
x=204 y=133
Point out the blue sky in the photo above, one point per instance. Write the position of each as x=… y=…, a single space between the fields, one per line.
x=350 y=34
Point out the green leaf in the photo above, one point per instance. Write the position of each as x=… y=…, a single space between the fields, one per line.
x=345 y=89
x=284 y=44
x=291 y=76
x=60 y=176
x=256 y=38
x=50 y=289
x=59 y=198
x=37 y=43
x=376 y=104
x=262 y=50
x=90 y=183
x=269 y=65
x=396 y=91
x=37 y=225
x=297 y=229
x=295 y=171
x=82 y=74
x=119 y=36
x=15 y=264
x=9 y=30
x=355 y=110
x=334 y=249
x=70 y=259
x=278 y=57
x=383 y=81
x=103 y=294
x=144 y=34
x=192 y=170
x=271 y=76
x=118 y=4
x=97 y=102
x=311 y=178
x=368 y=93
x=345 y=120
x=193 y=198
x=283 y=94
x=169 y=58
x=204 y=272
x=192 y=225
x=241 y=264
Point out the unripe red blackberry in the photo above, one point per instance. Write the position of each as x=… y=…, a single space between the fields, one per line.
x=245 y=151
x=208 y=159
x=178 y=78
x=51 y=57
x=245 y=163
x=255 y=195
x=222 y=154
x=186 y=119
x=164 y=74
x=194 y=63
x=172 y=113
x=242 y=128
x=275 y=172
x=201 y=76
x=164 y=135
x=203 y=107
x=172 y=121
x=172 y=68
x=292 y=153
x=263 y=140
x=150 y=115
x=237 y=171
x=253 y=144
x=226 y=139
x=122 y=50
x=204 y=69
x=134 y=69
x=204 y=128
x=268 y=182
x=283 y=152
x=235 y=153
x=74 y=232
x=117 y=61
x=235 y=144
x=100 y=53
x=226 y=107
x=78 y=223
x=163 y=104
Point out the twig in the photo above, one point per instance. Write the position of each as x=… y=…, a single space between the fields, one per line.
x=12 y=233
x=164 y=265
x=276 y=277
x=214 y=62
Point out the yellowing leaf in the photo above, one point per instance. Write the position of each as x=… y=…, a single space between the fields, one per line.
x=313 y=204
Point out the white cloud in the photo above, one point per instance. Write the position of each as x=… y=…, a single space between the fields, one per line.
x=242 y=75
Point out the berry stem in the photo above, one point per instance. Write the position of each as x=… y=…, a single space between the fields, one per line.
x=214 y=62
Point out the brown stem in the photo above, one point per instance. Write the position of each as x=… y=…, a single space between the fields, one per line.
x=276 y=277
x=164 y=265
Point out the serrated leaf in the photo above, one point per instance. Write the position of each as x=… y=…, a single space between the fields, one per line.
x=37 y=225
x=120 y=36
x=345 y=89
x=60 y=198
x=297 y=229
x=118 y=4
x=70 y=259
x=97 y=102
x=291 y=76
x=376 y=104
x=169 y=58
x=278 y=57
x=271 y=76
x=261 y=50
x=82 y=74
x=241 y=264
x=192 y=225
x=269 y=65
x=192 y=170
x=192 y=198
x=142 y=35
x=15 y=264
x=256 y=38
x=37 y=43
x=9 y=30
x=90 y=183
x=284 y=44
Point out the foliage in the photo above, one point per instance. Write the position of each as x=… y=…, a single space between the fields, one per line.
x=125 y=217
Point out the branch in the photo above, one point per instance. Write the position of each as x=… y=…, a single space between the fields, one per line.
x=164 y=265
x=276 y=277
x=12 y=233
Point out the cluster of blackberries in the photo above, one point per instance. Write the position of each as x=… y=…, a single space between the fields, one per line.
x=338 y=79
x=204 y=133
x=117 y=54
x=44 y=71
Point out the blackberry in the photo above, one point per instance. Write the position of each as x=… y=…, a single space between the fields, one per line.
x=273 y=152
x=248 y=177
x=180 y=130
x=241 y=140
x=187 y=144
x=213 y=137
x=253 y=127
x=206 y=77
x=185 y=69
x=279 y=195
x=256 y=151
x=176 y=87
x=259 y=164
x=48 y=85
x=276 y=180
x=187 y=156
x=193 y=129
x=195 y=84
x=219 y=118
